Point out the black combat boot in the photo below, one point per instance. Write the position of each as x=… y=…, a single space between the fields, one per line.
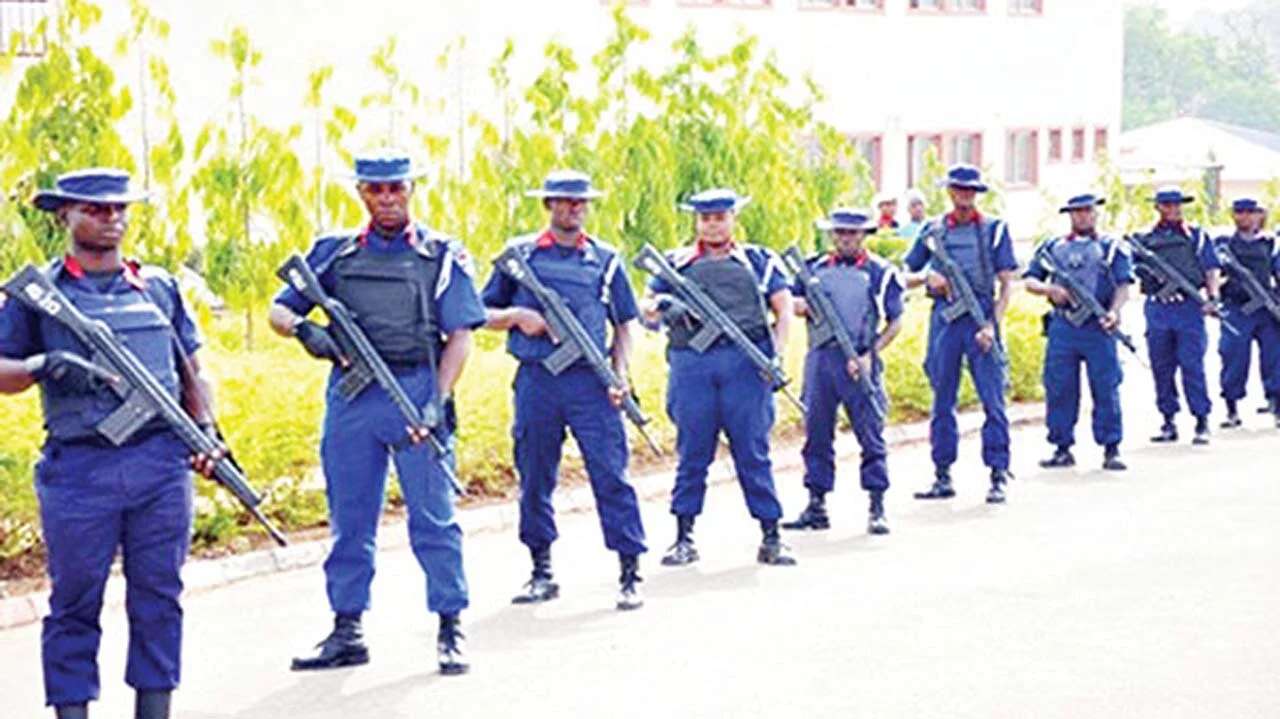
x=1061 y=459
x=876 y=523
x=344 y=647
x=539 y=588
x=941 y=488
x=449 y=646
x=628 y=590
x=682 y=552
x=1202 y=431
x=999 y=478
x=1275 y=409
x=772 y=550
x=814 y=516
x=1168 y=431
x=1233 y=416
x=152 y=705
x=71 y=711
x=1111 y=459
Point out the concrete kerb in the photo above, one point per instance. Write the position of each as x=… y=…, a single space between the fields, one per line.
x=205 y=575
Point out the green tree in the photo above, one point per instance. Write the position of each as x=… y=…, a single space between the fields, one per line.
x=1171 y=74
x=159 y=230
x=65 y=115
x=248 y=180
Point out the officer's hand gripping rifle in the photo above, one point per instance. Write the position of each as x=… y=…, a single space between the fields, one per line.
x=1173 y=284
x=715 y=323
x=826 y=324
x=144 y=397
x=1085 y=307
x=575 y=342
x=1259 y=296
x=965 y=302
x=367 y=366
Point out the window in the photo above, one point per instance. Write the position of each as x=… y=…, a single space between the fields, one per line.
x=873 y=5
x=1022 y=158
x=952 y=6
x=23 y=17
x=1077 y=144
x=1099 y=142
x=1055 y=145
x=963 y=147
x=917 y=146
x=727 y=3
x=1026 y=7
x=870 y=149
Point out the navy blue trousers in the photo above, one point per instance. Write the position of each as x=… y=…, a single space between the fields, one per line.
x=361 y=437
x=93 y=501
x=827 y=388
x=545 y=406
x=713 y=392
x=1068 y=347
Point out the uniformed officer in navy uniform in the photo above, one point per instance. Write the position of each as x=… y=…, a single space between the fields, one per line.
x=1104 y=266
x=720 y=390
x=983 y=248
x=867 y=293
x=96 y=497
x=1260 y=254
x=410 y=290
x=590 y=276
x=1176 y=335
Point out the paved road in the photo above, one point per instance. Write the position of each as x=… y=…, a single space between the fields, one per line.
x=1148 y=594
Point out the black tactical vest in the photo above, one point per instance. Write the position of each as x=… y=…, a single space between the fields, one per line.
x=732 y=286
x=1254 y=255
x=390 y=295
x=850 y=290
x=1177 y=250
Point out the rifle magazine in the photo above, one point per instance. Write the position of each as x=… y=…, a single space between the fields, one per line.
x=127 y=419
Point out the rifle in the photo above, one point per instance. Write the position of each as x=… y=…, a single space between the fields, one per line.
x=1085 y=307
x=575 y=342
x=1259 y=296
x=143 y=396
x=1173 y=284
x=966 y=302
x=367 y=366
x=826 y=324
x=715 y=323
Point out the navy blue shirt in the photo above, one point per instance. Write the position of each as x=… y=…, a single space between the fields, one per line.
x=886 y=284
x=588 y=276
x=20 y=335
x=456 y=304
x=1116 y=257
x=763 y=261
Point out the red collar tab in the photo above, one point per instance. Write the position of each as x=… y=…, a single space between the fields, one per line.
x=888 y=221
x=410 y=234
x=859 y=260
x=548 y=238
x=131 y=270
x=701 y=248
x=953 y=219
x=72 y=266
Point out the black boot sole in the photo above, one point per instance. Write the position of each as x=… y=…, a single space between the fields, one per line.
x=1200 y=441
x=935 y=495
x=554 y=593
x=453 y=670
x=353 y=659
x=1114 y=466
x=773 y=560
x=805 y=526
x=877 y=530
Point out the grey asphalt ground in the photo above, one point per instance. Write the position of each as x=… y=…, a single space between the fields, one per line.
x=1151 y=593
